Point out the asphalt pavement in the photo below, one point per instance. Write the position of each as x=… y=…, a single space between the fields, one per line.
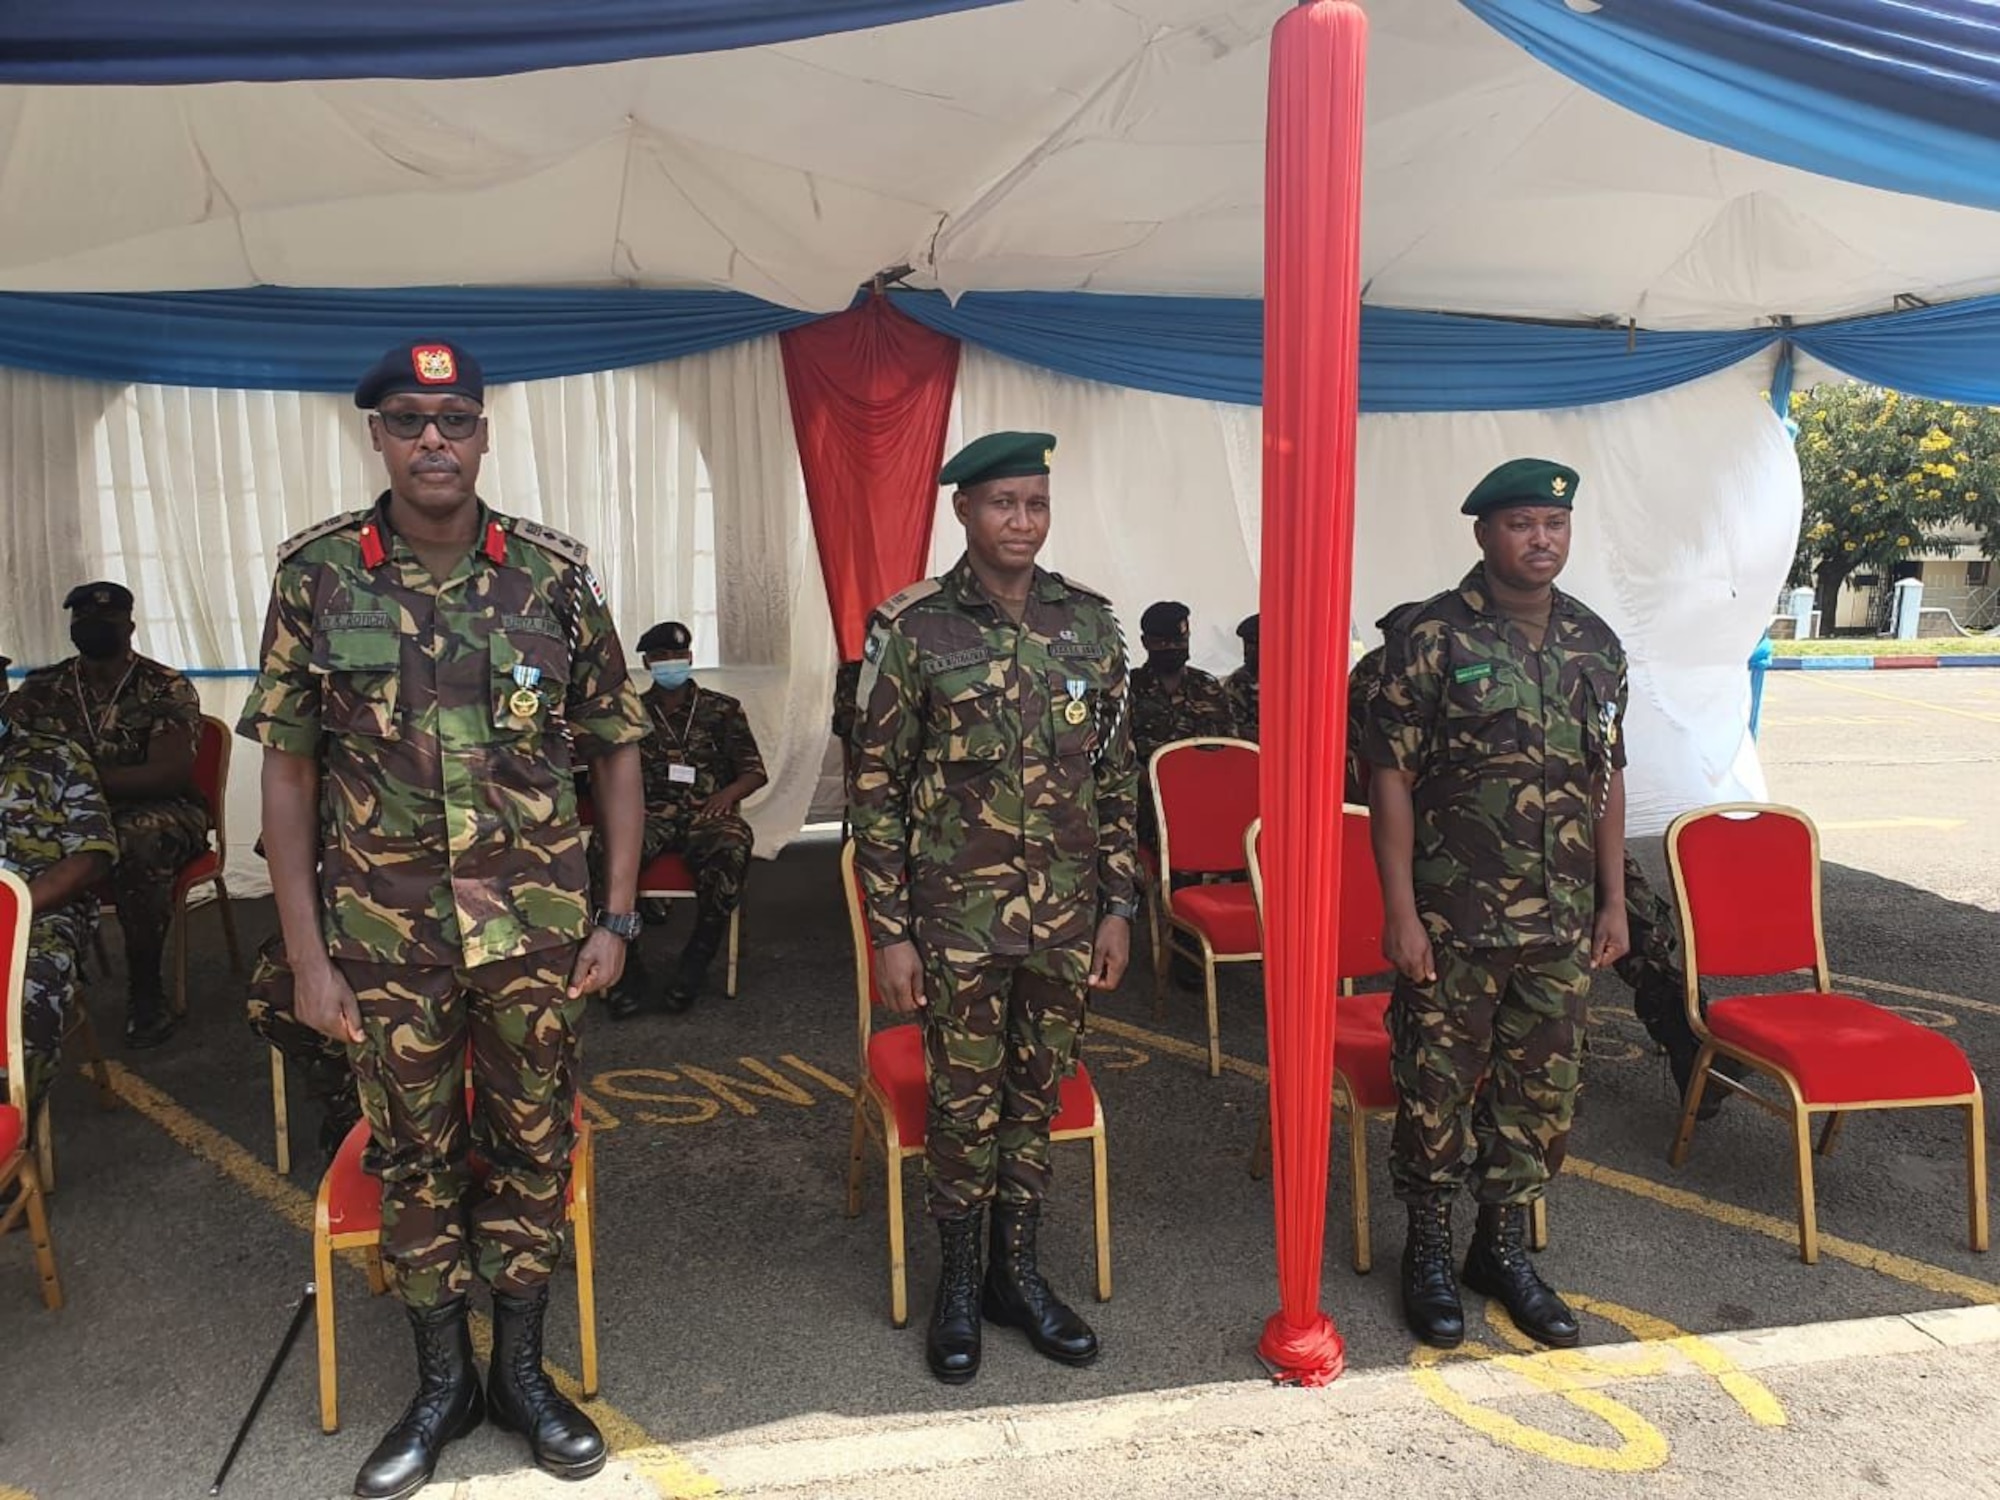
x=742 y=1313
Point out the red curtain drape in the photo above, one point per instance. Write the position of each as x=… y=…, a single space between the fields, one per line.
x=871 y=395
x=1312 y=324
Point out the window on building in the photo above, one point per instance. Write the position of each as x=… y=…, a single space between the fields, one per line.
x=1976 y=573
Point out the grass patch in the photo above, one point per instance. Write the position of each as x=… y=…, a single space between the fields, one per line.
x=1964 y=645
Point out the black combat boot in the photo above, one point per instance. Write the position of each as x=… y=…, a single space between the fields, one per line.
x=702 y=945
x=522 y=1399
x=1016 y=1296
x=446 y=1407
x=952 y=1346
x=631 y=996
x=149 y=1020
x=1430 y=1294
x=1497 y=1266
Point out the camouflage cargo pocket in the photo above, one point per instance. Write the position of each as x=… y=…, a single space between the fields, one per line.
x=363 y=687
x=1481 y=716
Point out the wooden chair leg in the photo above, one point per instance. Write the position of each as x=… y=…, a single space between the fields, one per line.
x=1100 y=1175
x=1214 y=1017
x=1161 y=959
x=857 y=1147
x=378 y=1279
x=899 y=1287
x=735 y=942
x=45 y=1145
x=329 y=1364
x=228 y=914
x=582 y=1212
x=1808 y=1215
x=1975 y=1169
x=1357 y=1188
x=1684 y=1134
x=93 y=1060
x=1538 y=1225
x=1829 y=1132
x=281 y=1116
x=1260 y=1154
x=179 y=935
x=38 y=1234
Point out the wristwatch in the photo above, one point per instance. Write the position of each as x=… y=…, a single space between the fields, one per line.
x=626 y=925
x=1128 y=909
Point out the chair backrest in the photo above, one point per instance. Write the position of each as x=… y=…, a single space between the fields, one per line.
x=1358 y=933
x=16 y=911
x=211 y=776
x=1205 y=796
x=1746 y=881
x=864 y=949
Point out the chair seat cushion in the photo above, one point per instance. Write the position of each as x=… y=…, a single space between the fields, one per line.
x=1841 y=1049
x=666 y=875
x=1225 y=914
x=10 y=1131
x=896 y=1064
x=1361 y=1049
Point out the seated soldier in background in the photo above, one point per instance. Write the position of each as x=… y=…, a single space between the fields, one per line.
x=1651 y=967
x=1170 y=700
x=140 y=723
x=700 y=762
x=1241 y=685
x=56 y=834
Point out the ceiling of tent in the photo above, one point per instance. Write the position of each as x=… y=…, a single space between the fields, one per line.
x=1102 y=145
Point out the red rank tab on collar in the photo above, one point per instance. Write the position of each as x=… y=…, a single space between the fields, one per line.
x=373 y=553
x=495 y=546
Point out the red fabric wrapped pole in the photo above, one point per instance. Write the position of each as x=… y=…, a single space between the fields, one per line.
x=1312 y=325
x=871 y=397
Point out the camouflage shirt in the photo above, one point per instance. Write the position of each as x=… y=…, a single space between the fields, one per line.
x=1241 y=688
x=1512 y=749
x=844 y=683
x=50 y=804
x=116 y=729
x=1196 y=707
x=993 y=789
x=444 y=714
x=708 y=733
x=1363 y=682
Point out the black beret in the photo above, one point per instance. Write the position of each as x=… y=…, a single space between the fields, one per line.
x=102 y=595
x=1167 y=618
x=668 y=635
x=1522 y=481
x=999 y=455
x=428 y=365
x=1246 y=628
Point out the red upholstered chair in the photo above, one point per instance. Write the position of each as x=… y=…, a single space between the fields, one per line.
x=1363 y=1088
x=348 y=1215
x=668 y=878
x=211 y=781
x=1746 y=880
x=1205 y=796
x=892 y=1102
x=18 y=1170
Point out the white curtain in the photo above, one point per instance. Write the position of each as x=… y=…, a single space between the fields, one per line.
x=682 y=478
x=1687 y=514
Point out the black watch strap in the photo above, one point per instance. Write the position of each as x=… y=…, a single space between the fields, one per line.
x=627 y=925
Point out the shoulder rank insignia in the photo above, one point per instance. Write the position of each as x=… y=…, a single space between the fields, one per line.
x=313 y=533
x=896 y=603
x=547 y=538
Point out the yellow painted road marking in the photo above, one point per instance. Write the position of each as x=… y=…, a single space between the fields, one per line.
x=673 y=1475
x=1869 y=825
x=1985 y=1007
x=1902 y=1268
x=1822 y=679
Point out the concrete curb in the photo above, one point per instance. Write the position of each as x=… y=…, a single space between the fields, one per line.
x=842 y=1450
x=1877 y=663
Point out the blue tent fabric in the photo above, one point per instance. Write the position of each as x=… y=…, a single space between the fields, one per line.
x=224 y=41
x=1897 y=94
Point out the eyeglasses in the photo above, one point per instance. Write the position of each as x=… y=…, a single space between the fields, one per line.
x=456 y=426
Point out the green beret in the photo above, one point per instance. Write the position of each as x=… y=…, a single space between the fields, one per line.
x=999 y=455
x=1522 y=481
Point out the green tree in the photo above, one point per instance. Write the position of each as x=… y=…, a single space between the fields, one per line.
x=1886 y=476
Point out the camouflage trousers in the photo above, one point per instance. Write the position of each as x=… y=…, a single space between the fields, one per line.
x=155 y=839
x=440 y=1227
x=272 y=1012
x=1000 y=1036
x=1652 y=965
x=52 y=989
x=1487 y=1060
x=717 y=851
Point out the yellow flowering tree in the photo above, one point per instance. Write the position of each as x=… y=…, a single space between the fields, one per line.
x=1886 y=476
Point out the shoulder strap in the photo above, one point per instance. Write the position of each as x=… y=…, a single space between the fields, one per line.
x=297 y=542
x=896 y=603
x=547 y=538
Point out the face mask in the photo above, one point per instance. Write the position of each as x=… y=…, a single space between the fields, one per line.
x=1166 y=661
x=672 y=674
x=97 y=639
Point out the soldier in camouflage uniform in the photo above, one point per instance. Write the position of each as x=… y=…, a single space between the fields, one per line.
x=700 y=763
x=56 y=834
x=141 y=723
x=992 y=809
x=1241 y=685
x=1170 y=700
x=1497 y=791
x=427 y=665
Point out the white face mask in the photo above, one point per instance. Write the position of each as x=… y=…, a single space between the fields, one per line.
x=671 y=674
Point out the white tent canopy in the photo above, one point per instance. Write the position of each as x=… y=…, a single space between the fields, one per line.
x=1103 y=145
